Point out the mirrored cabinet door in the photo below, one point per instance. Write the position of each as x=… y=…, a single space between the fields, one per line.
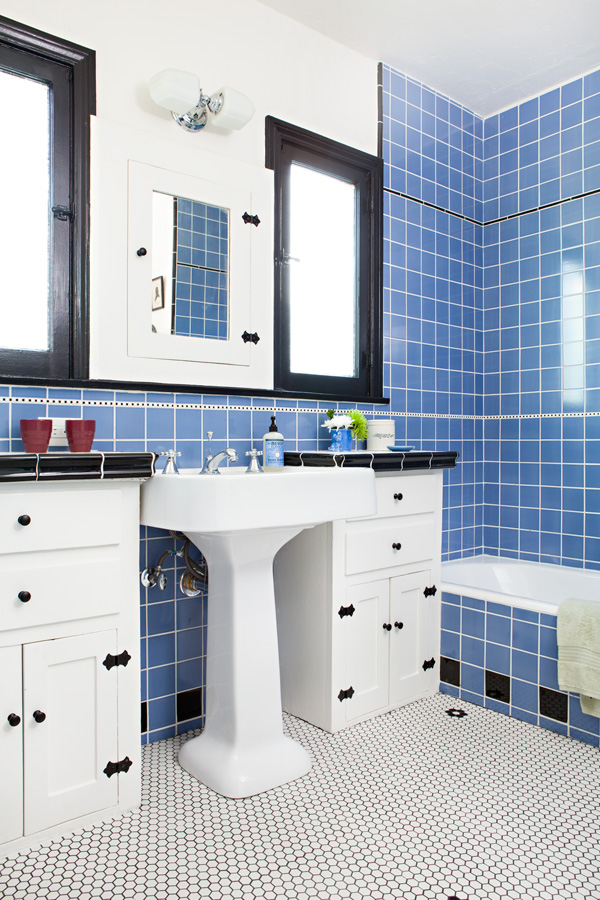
x=189 y=248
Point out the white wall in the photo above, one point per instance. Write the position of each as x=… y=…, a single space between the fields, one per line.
x=288 y=70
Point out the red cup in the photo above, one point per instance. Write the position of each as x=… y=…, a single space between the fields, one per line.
x=80 y=434
x=35 y=434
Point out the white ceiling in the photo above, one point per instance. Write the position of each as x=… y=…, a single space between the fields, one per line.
x=486 y=54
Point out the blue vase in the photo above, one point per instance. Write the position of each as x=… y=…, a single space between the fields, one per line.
x=341 y=440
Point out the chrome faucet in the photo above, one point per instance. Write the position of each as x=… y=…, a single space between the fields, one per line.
x=211 y=463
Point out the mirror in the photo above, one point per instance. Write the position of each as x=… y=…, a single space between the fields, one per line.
x=190 y=268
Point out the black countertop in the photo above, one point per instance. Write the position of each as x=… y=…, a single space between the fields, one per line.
x=411 y=461
x=46 y=467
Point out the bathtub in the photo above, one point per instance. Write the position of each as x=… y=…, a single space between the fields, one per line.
x=539 y=587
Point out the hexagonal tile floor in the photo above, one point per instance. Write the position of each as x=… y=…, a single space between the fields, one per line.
x=412 y=804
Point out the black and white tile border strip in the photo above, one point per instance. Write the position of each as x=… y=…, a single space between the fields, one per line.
x=235 y=407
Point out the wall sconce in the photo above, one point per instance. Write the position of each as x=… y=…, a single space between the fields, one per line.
x=181 y=93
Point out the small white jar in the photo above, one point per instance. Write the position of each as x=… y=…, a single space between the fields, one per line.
x=381 y=434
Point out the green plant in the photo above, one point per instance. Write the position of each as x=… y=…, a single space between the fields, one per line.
x=359 y=425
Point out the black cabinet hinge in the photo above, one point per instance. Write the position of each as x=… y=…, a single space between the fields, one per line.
x=116 y=768
x=346 y=695
x=346 y=611
x=62 y=212
x=428 y=664
x=121 y=660
x=430 y=591
x=251 y=220
x=250 y=337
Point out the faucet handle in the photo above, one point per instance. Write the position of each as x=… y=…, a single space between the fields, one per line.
x=209 y=435
x=170 y=465
x=254 y=465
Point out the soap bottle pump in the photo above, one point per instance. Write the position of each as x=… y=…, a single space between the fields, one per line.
x=273 y=449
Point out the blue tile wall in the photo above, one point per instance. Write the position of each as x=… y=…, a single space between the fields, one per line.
x=433 y=288
x=492 y=309
x=517 y=643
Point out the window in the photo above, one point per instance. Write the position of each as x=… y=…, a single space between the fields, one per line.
x=327 y=265
x=47 y=93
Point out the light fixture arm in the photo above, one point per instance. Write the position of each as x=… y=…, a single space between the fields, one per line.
x=196 y=118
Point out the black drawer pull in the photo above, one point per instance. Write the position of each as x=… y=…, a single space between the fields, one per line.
x=24 y=520
x=13 y=720
x=396 y=546
x=398 y=625
x=24 y=596
x=397 y=496
x=387 y=626
x=39 y=716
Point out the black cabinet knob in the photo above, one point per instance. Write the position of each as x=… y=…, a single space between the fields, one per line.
x=396 y=546
x=398 y=625
x=24 y=596
x=14 y=720
x=24 y=520
x=397 y=496
x=39 y=716
x=142 y=251
x=387 y=627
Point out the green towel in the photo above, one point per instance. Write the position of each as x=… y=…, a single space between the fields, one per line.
x=578 y=632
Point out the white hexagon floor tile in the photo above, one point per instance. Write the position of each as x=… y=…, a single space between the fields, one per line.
x=414 y=805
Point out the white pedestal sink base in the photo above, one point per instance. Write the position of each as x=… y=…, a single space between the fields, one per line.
x=242 y=750
x=241 y=772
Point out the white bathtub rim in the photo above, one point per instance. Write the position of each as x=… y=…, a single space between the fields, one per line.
x=502 y=598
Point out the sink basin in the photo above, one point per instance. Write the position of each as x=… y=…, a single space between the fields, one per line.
x=236 y=501
x=239 y=522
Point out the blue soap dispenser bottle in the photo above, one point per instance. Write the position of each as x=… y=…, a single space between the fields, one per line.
x=273 y=449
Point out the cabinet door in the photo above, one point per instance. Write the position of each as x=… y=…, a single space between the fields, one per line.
x=367 y=647
x=11 y=744
x=412 y=639
x=66 y=753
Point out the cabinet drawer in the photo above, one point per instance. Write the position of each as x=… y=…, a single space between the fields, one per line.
x=75 y=586
x=406 y=495
x=370 y=549
x=73 y=518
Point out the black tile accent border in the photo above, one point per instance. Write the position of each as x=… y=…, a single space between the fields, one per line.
x=450 y=671
x=497 y=686
x=554 y=704
x=382 y=462
x=190 y=704
x=144 y=717
x=75 y=466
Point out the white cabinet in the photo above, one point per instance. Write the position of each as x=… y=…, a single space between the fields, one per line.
x=69 y=656
x=358 y=607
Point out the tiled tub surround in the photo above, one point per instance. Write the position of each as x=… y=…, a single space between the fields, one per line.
x=505 y=658
x=492 y=303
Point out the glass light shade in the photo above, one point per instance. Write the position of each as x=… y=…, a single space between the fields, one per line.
x=236 y=111
x=175 y=90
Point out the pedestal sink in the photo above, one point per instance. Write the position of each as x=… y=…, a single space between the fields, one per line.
x=239 y=522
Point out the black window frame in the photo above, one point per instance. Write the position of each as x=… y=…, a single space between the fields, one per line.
x=71 y=72
x=287 y=143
